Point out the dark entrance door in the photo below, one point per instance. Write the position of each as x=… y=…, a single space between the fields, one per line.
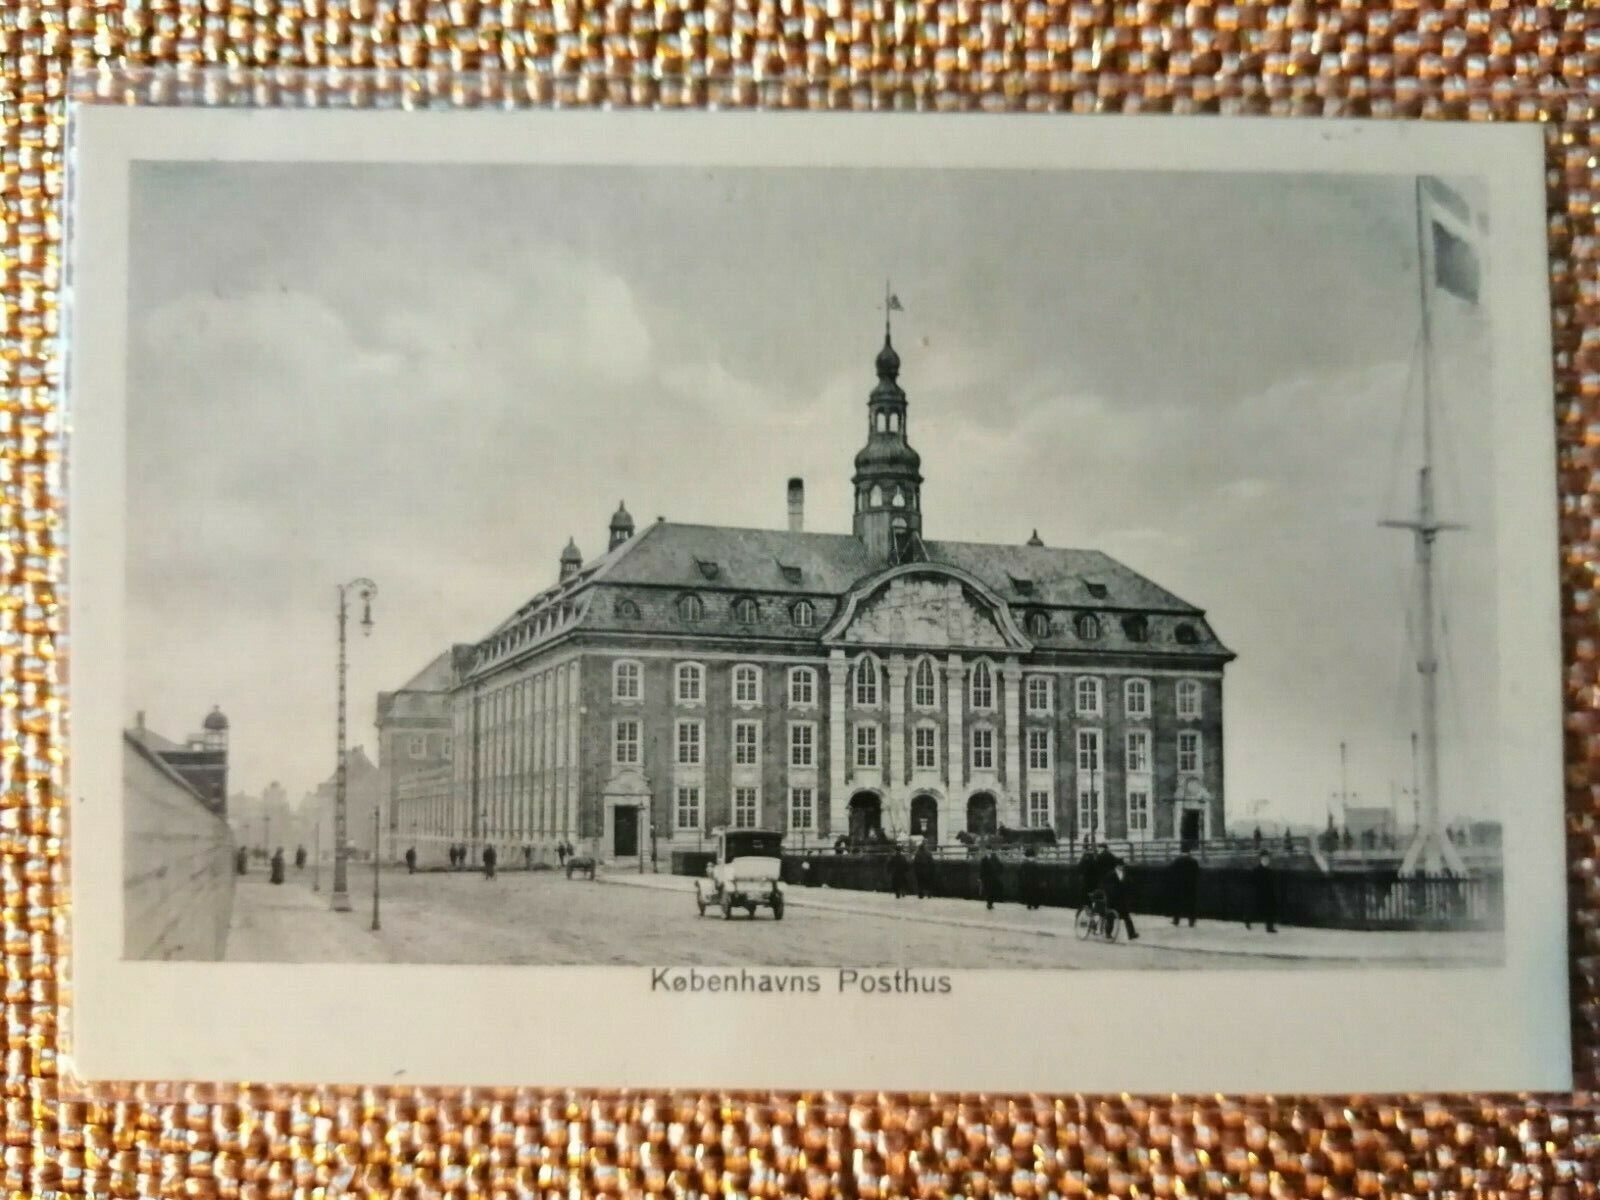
x=982 y=816
x=925 y=818
x=1189 y=828
x=866 y=817
x=625 y=838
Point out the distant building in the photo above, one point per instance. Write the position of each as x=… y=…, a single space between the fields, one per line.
x=201 y=760
x=264 y=822
x=835 y=684
x=414 y=738
x=363 y=793
x=1362 y=820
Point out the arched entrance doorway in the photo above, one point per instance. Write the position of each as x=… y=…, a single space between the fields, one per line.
x=982 y=814
x=866 y=816
x=925 y=818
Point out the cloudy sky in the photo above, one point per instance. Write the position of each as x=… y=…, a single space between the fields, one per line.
x=434 y=376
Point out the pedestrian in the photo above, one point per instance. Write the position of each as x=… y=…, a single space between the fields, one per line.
x=1184 y=883
x=839 y=845
x=1257 y=837
x=1115 y=886
x=488 y=862
x=1263 y=895
x=561 y=852
x=299 y=858
x=527 y=857
x=1088 y=870
x=411 y=860
x=1031 y=877
x=922 y=871
x=989 y=878
x=241 y=861
x=277 y=865
x=899 y=871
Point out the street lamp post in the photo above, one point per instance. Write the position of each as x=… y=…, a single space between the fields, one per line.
x=377 y=810
x=366 y=590
x=316 y=855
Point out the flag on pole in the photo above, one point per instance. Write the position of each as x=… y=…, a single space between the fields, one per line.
x=894 y=303
x=1456 y=268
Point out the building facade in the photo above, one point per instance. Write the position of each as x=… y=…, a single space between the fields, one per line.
x=415 y=739
x=829 y=685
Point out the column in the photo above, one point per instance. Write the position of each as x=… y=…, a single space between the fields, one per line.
x=1011 y=677
x=838 y=673
x=895 y=758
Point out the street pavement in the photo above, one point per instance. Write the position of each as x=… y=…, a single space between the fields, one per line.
x=542 y=918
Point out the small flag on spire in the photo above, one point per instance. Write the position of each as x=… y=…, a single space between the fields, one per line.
x=894 y=303
x=1456 y=268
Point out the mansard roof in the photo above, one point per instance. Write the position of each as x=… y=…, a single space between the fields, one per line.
x=673 y=555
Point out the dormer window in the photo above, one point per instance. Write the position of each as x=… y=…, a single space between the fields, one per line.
x=1097 y=590
x=804 y=614
x=791 y=574
x=1186 y=635
x=1087 y=626
x=691 y=607
x=708 y=568
x=1038 y=625
x=745 y=610
x=1022 y=585
x=626 y=609
x=1137 y=627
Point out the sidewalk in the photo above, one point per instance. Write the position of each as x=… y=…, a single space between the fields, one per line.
x=1332 y=946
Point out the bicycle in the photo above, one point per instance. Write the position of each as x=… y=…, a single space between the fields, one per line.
x=1095 y=919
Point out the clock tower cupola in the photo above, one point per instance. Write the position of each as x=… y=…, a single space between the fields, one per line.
x=888 y=476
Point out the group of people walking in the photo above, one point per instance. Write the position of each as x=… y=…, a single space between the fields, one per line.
x=276 y=865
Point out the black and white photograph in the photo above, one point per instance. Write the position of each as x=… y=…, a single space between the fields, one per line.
x=879 y=576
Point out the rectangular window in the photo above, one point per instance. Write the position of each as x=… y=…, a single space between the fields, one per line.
x=802 y=808
x=1138 y=751
x=926 y=748
x=1138 y=813
x=983 y=749
x=626 y=744
x=1189 y=699
x=866 y=745
x=802 y=686
x=689 y=682
x=686 y=813
x=1189 y=753
x=744 y=808
x=1088 y=702
x=1039 y=694
x=802 y=745
x=1038 y=810
x=746 y=743
x=1136 y=699
x=1088 y=750
x=1038 y=749
x=417 y=747
x=625 y=681
x=746 y=685
x=688 y=743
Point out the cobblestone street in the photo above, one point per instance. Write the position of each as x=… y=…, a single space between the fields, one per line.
x=542 y=918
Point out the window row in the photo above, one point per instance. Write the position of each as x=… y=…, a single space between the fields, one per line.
x=689 y=744
x=688 y=809
x=745 y=609
x=1088 y=627
x=689 y=683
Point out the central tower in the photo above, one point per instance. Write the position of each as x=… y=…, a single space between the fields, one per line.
x=888 y=478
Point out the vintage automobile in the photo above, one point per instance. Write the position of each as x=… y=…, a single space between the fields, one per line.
x=743 y=873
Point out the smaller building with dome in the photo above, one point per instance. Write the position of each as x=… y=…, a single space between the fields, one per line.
x=875 y=682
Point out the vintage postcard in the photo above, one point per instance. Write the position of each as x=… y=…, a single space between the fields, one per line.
x=777 y=599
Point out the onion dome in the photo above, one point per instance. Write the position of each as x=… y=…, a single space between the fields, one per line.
x=887 y=453
x=215 y=721
x=1035 y=540
x=622 y=518
x=571 y=554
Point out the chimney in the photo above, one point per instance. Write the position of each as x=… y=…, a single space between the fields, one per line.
x=138 y=720
x=797 y=505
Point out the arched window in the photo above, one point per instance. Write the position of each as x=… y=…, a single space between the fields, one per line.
x=1136 y=699
x=1038 y=625
x=1137 y=627
x=746 y=684
x=744 y=610
x=804 y=614
x=691 y=607
x=875 y=499
x=1185 y=634
x=981 y=689
x=626 y=609
x=1087 y=626
x=866 y=690
x=625 y=680
x=691 y=683
x=924 y=689
x=899 y=498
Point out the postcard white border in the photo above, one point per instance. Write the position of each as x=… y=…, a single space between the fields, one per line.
x=1327 y=1030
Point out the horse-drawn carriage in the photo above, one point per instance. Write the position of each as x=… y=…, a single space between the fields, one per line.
x=745 y=867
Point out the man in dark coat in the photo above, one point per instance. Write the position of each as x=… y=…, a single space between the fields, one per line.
x=1115 y=886
x=922 y=871
x=1263 y=895
x=1031 y=878
x=488 y=862
x=561 y=852
x=899 y=873
x=299 y=858
x=411 y=860
x=989 y=878
x=277 y=865
x=527 y=857
x=1184 y=877
x=241 y=860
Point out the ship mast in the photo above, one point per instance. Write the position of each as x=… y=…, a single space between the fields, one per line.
x=1430 y=851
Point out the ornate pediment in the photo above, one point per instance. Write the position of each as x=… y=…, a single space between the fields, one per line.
x=934 y=611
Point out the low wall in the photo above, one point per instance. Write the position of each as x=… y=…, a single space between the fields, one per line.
x=1305 y=897
x=177 y=871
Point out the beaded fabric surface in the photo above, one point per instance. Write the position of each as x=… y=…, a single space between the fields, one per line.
x=1430 y=58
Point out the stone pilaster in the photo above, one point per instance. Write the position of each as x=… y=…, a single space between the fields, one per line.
x=955 y=697
x=838 y=675
x=1011 y=678
x=896 y=759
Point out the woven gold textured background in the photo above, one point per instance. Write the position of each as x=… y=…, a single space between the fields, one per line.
x=1434 y=58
